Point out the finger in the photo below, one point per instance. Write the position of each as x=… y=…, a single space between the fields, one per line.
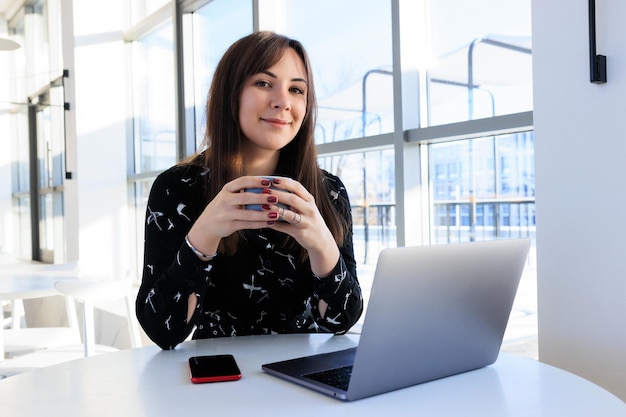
x=247 y=181
x=296 y=219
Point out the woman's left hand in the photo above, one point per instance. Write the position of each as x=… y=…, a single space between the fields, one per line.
x=303 y=221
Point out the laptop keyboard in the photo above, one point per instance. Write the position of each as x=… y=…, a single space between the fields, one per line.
x=337 y=377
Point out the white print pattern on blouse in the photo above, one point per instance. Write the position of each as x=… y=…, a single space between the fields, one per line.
x=268 y=245
x=263 y=268
x=215 y=315
x=308 y=311
x=180 y=208
x=252 y=288
x=153 y=217
x=263 y=314
x=340 y=277
x=334 y=319
x=207 y=279
x=285 y=282
x=347 y=298
x=149 y=299
x=289 y=257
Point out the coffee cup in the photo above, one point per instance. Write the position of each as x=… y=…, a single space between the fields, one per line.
x=258 y=207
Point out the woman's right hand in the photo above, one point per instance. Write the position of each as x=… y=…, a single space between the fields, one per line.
x=226 y=213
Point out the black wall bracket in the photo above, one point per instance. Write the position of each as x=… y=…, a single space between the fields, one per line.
x=597 y=63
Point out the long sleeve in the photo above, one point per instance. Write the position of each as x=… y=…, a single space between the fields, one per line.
x=171 y=271
x=340 y=289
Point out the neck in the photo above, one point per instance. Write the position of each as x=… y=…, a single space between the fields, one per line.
x=261 y=164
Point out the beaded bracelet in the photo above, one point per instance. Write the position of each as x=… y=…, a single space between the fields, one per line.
x=200 y=255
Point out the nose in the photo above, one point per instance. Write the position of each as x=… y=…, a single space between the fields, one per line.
x=281 y=100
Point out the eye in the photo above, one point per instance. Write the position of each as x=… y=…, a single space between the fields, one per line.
x=297 y=90
x=262 y=83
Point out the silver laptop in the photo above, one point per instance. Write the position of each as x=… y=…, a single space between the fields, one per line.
x=434 y=311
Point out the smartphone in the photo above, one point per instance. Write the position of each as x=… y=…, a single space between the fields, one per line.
x=214 y=368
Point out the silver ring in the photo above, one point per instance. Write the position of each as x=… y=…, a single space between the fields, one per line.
x=297 y=219
x=281 y=212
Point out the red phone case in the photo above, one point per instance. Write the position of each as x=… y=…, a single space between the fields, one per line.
x=214 y=368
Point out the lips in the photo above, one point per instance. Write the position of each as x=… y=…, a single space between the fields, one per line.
x=276 y=122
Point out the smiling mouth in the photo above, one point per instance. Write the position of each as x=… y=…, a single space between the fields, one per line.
x=276 y=122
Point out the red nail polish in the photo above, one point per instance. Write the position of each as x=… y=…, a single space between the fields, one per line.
x=276 y=180
x=265 y=183
x=272 y=199
x=273 y=215
x=266 y=191
x=265 y=206
x=271 y=222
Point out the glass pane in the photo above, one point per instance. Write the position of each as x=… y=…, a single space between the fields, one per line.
x=351 y=64
x=154 y=101
x=37 y=42
x=483 y=59
x=23 y=229
x=483 y=188
x=215 y=27
x=46 y=222
x=21 y=172
x=140 y=9
x=369 y=179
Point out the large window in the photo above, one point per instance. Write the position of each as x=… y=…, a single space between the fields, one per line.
x=483 y=188
x=352 y=64
x=352 y=70
x=37 y=113
x=425 y=108
x=154 y=100
x=210 y=31
x=481 y=59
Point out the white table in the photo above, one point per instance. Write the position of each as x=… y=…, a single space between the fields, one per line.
x=23 y=286
x=151 y=382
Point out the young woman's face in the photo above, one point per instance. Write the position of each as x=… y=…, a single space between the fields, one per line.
x=272 y=104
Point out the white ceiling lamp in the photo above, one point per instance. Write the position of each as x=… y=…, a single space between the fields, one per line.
x=8 y=45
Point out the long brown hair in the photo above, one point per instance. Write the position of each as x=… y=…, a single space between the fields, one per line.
x=222 y=144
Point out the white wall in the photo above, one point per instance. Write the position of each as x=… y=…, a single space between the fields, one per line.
x=580 y=151
x=100 y=76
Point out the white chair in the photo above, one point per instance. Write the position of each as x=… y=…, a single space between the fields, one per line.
x=18 y=339
x=90 y=291
x=86 y=291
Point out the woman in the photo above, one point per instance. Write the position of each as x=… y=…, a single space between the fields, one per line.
x=213 y=263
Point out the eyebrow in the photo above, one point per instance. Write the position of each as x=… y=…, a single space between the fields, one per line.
x=271 y=74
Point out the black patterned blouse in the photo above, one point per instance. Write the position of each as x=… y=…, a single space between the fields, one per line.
x=261 y=289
